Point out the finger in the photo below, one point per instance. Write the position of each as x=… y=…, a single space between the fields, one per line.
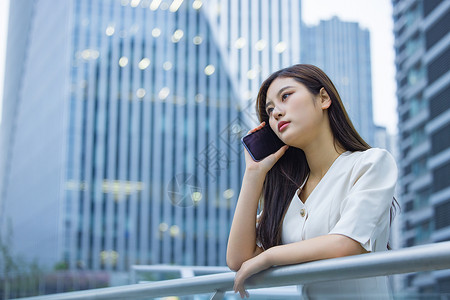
x=257 y=128
x=281 y=152
x=242 y=293
x=239 y=292
x=274 y=157
x=263 y=123
x=238 y=288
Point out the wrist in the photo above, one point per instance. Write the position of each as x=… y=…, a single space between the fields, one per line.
x=267 y=257
x=255 y=173
x=254 y=179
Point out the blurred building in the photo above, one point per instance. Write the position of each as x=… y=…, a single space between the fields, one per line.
x=342 y=50
x=124 y=145
x=32 y=131
x=122 y=125
x=257 y=38
x=382 y=137
x=422 y=43
x=153 y=163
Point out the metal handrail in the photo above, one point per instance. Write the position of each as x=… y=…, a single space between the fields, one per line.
x=419 y=258
x=183 y=271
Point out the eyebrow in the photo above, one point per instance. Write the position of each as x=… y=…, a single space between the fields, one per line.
x=279 y=93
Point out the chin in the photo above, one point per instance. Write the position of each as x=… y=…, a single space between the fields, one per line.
x=291 y=141
x=288 y=141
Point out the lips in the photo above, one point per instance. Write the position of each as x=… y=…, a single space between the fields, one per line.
x=282 y=125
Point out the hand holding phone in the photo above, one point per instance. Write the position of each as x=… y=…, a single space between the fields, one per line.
x=261 y=143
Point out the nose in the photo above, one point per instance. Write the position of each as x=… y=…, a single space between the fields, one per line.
x=277 y=112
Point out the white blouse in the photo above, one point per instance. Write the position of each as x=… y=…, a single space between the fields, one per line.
x=353 y=199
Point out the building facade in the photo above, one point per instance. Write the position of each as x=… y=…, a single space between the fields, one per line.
x=124 y=147
x=126 y=137
x=422 y=44
x=342 y=50
x=32 y=128
x=256 y=38
x=153 y=157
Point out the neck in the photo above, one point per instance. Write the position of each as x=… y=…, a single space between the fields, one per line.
x=321 y=154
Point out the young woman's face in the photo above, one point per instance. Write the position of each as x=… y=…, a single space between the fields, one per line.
x=295 y=114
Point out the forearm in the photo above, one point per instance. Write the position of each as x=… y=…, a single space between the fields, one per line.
x=242 y=239
x=322 y=247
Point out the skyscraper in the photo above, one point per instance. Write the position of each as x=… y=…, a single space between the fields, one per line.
x=422 y=43
x=342 y=50
x=156 y=170
x=124 y=143
x=135 y=117
x=32 y=127
x=256 y=38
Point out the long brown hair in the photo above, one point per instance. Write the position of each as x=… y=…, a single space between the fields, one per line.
x=292 y=168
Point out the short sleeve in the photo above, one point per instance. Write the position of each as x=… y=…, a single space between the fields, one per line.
x=364 y=212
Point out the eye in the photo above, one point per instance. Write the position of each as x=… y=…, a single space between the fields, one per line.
x=269 y=111
x=284 y=96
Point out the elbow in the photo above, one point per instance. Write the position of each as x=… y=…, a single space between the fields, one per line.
x=234 y=260
x=345 y=246
x=233 y=264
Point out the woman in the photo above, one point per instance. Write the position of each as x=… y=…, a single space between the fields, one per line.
x=325 y=194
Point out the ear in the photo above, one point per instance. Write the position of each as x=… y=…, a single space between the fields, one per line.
x=325 y=100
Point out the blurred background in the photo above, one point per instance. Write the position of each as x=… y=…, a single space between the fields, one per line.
x=121 y=124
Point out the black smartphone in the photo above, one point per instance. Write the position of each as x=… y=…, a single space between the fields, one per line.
x=262 y=143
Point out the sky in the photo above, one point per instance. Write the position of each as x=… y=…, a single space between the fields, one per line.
x=374 y=15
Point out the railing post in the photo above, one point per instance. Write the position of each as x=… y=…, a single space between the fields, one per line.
x=218 y=295
x=133 y=275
